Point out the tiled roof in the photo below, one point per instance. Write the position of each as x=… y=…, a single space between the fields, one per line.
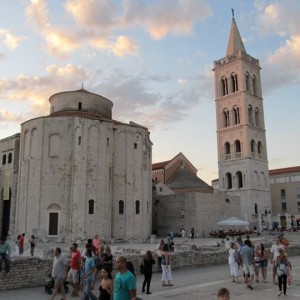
x=284 y=170
x=160 y=165
x=185 y=179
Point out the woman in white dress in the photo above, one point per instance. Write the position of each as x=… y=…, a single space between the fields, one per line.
x=233 y=259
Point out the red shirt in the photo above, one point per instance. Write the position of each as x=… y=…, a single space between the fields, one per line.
x=21 y=241
x=75 y=260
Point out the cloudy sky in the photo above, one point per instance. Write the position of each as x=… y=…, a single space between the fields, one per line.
x=153 y=59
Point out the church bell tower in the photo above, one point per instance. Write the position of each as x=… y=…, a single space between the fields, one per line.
x=241 y=135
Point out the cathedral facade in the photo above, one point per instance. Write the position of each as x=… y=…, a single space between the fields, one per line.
x=82 y=173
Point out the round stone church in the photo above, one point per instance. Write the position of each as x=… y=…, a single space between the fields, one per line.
x=82 y=173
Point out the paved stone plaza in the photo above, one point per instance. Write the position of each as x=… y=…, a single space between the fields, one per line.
x=192 y=283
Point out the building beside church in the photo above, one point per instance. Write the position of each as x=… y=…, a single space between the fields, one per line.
x=79 y=173
x=178 y=175
x=241 y=134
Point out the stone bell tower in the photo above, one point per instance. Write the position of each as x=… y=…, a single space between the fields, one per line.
x=241 y=135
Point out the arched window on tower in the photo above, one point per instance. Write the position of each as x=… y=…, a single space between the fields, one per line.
x=227 y=151
x=91 y=206
x=236 y=115
x=237 y=148
x=228 y=178
x=247 y=81
x=224 y=86
x=256 y=116
x=250 y=114
x=252 y=148
x=121 y=207
x=226 y=120
x=234 y=83
x=259 y=149
x=239 y=179
x=9 y=158
x=254 y=85
x=137 y=207
x=4 y=159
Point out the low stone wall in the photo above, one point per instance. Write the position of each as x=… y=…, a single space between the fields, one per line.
x=25 y=272
x=31 y=271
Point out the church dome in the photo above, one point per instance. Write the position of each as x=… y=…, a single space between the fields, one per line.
x=80 y=101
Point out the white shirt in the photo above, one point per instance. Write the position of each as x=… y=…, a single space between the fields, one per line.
x=275 y=250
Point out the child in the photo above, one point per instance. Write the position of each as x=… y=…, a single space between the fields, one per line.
x=223 y=294
x=289 y=274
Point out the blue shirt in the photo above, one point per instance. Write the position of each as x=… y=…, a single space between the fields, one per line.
x=89 y=265
x=123 y=284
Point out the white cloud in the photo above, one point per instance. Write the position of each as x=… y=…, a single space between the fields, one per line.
x=10 y=40
x=99 y=24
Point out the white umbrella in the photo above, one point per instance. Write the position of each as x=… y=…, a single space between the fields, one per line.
x=233 y=221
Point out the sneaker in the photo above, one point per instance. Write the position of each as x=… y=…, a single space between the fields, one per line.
x=279 y=294
x=148 y=293
x=250 y=287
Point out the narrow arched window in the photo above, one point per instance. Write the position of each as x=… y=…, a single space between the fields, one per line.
x=236 y=115
x=79 y=140
x=9 y=158
x=239 y=179
x=234 y=83
x=250 y=114
x=256 y=116
x=228 y=177
x=259 y=148
x=252 y=147
x=79 y=105
x=247 y=79
x=121 y=207
x=4 y=159
x=137 y=207
x=226 y=120
x=227 y=151
x=135 y=145
x=237 y=146
x=224 y=86
x=254 y=84
x=91 y=206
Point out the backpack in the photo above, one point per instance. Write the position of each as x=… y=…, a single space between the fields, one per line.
x=282 y=268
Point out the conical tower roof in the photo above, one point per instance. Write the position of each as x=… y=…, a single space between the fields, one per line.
x=235 y=43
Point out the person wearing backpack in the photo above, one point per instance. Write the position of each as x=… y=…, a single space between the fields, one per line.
x=282 y=271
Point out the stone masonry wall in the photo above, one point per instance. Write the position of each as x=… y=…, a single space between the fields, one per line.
x=31 y=271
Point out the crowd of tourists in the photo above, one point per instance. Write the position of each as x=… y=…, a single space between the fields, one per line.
x=251 y=260
x=93 y=270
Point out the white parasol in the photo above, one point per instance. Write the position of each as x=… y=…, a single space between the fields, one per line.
x=233 y=221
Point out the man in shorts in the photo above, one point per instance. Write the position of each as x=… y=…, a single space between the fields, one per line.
x=247 y=259
x=73 y=275
x=59 y=273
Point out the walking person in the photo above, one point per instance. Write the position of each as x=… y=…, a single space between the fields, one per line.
x=99 y=263
x=73 y=275
x=233 y=259
x=148 y=263
x=32 y=245
x=274 y=254
x=166 y=267
x=106 y=284
x=59 y=273
x=247 y=259
x=5 y=252
x=17 y=246
x=282 y=264
x=263 y=260
x=159 y=253
x=89 y=269
x=21 y=243
x=125 y=281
